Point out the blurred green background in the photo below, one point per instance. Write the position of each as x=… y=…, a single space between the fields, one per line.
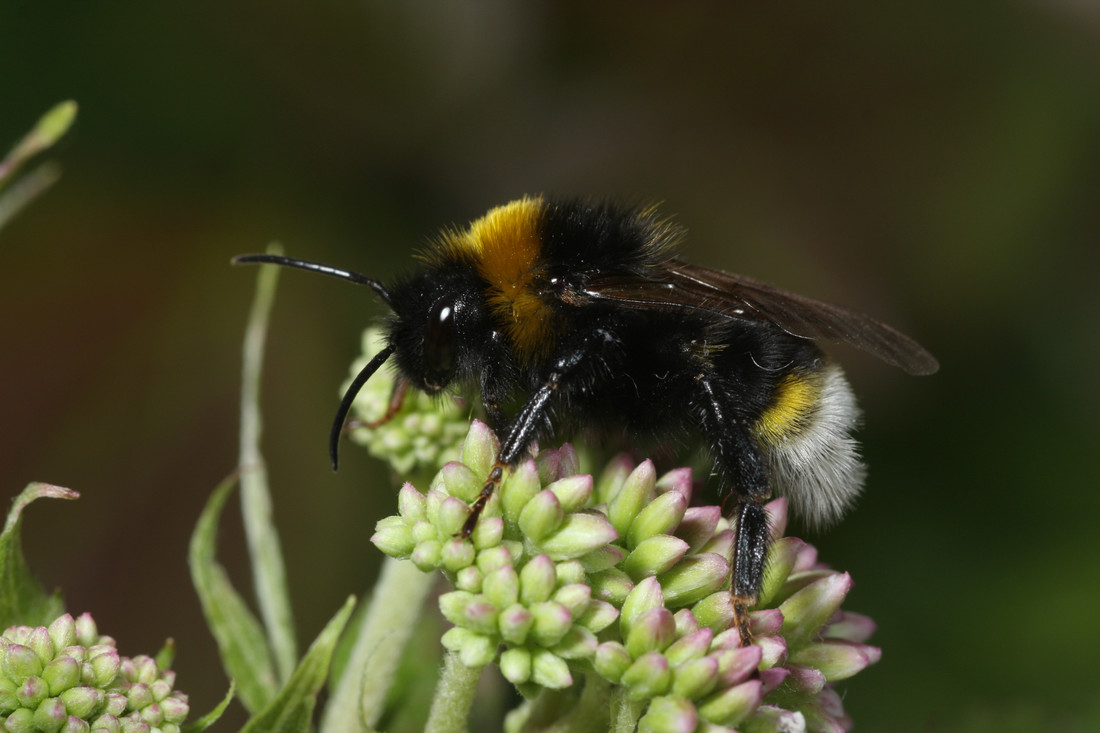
x=935 y=164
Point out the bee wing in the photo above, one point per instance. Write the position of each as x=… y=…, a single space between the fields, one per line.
x=680 y=285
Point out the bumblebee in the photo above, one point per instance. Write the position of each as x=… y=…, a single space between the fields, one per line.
x=581 y=314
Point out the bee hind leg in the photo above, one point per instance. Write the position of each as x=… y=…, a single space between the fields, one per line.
x=741 y=468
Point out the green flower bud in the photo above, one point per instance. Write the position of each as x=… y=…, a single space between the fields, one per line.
x=20 y=662
x=573 y=492
x=678 y=479
x=422 y=530
x=601 y=558
x=721 y=544
x=541 y=516
x=611 y=585
x=75 y=725
x=549 y=670
x=138 y=696
x=451 y=517
x=736 y=664
x=63 y=632
x=715 y=611
x=101 y=669
x=82 y=701
x=519 y=488
x=473 y=649
x=803 y=680
x=428 y=555
x=501 y=587
x=21 y=721
x=660 y=516
x=698 y=525
x=552 y=621
x=393 y=537
x=39 y=640
x=496 y=557
x=578 y=643
x=479 y=450
x=849 y=626
x=634 y=493
x=32 y=691
x=695 y=678
x=837 y=660
x=460 y=482
x=670 y=714
x=610 y=480
x=571 y=572
x=651 y=631
x=648 y=676
x=654 y=555
x=611 y=660
x=694 y=578
x=732 y=705
x=488 y=533
x=515 y=665
x=687 y=647
x=50 y=714
x=411 y=504
x=515 y=623
x=457 y=553
x=806 y=611
x=469 y=578
x=86 y=632
x=598 y=616
x=175 y=709
x=686 y=623
x=575 y=597
x=60 y=674
x=645 y=596
x=537 y=580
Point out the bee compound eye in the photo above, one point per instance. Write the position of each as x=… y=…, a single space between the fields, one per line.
x=439 y=342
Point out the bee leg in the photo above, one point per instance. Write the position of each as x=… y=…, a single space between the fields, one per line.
x=525 y=428
x=522 y=433
x=397 y=398
x=739 y=461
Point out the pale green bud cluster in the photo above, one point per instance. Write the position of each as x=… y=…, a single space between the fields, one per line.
x=426 y=431
x=66 y=678
x=619 y=576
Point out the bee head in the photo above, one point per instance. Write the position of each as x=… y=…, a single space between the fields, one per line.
x=434 y=325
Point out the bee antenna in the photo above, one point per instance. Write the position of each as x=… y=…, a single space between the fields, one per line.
x=354 y=277
x=349 y=397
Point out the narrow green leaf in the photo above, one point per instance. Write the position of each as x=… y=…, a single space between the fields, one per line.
x=240 y=637
x=292 y=710
x=22 y=599
x=197 y=726
x=47 y=131
x=268 y=569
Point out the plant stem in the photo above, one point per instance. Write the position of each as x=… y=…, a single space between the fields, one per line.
x=454 y=695
x=624 y=711
x=359 y=695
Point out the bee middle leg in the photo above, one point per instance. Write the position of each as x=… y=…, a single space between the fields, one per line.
x=741 y=466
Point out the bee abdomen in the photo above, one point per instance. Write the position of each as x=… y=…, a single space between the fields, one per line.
x=812 y=458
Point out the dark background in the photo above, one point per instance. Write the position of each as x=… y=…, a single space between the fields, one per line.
x=935 y=164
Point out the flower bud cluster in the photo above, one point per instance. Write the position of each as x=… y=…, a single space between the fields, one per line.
x=66 y=678
x=425 y=431
x=619 y=575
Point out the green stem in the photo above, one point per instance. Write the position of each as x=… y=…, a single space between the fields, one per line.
x=454 y=695
x=269 y=572
x=624 y=712
x=357 y=701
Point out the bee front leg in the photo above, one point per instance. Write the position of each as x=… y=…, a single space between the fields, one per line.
x=739 y=462
x=532 y=418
